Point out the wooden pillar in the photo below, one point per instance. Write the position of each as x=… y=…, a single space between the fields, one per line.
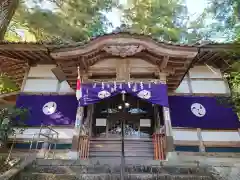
x=156 y=119
x=168 y=130
x=167 y=122
x=74 y=154
x=189 y=82
x=80 y=109
x=90 y=119
x=79 y=117
x=25 y=78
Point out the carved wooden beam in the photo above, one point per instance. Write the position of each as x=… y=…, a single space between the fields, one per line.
x=102 y=70
x=138 y=70
x=123 y=41
x=148 y=57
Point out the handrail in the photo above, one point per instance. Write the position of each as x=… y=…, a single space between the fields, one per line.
x=48 y=136
x=50 y=128
x=30 y=147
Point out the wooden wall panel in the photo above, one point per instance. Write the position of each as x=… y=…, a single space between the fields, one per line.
x=209 y=86
x=183 y=87
x=42 y=71
x=204 y=80
x=204 y=72
x=65 y=88
x=41 y=79
x=41 y=85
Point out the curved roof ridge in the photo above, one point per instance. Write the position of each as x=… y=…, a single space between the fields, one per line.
x=79 y=43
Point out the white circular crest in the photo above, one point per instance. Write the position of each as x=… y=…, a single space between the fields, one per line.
x=103 y=94
x=198 y=109
x=49 y=108
x=144 y=94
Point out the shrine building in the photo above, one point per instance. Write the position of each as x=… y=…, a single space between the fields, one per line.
x=156 y=97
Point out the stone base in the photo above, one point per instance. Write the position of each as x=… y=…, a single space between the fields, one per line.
x=172 y=156
x=42 y=153
x=73 y=155
x=170 y=144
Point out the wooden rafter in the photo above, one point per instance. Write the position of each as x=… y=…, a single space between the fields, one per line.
x=174 y=60
x=164 y=62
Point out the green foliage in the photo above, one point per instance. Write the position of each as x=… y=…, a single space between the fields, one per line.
x=161 y=19
x=78 y=20
x=11 y=120
x=234 y=83
x=225 y=15
x=6 y=85
x=233 y=79
x=68 y=21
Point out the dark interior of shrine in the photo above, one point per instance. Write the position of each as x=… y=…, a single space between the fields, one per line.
x=139 y=117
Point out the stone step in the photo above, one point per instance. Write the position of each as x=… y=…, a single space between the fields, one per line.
x=107 y=165
x=115 y=153
x=113 y=148
x=126 y=141
x=113 y=145
x=108 y=176
x=105 y=149
x=119 y=139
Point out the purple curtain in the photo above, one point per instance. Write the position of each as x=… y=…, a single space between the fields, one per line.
x=153 y=93
x=49 y=109
x=201 y=112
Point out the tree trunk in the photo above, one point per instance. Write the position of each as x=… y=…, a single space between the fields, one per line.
x=7 y=10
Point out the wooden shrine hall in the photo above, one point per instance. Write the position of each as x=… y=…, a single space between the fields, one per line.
x=134 y=73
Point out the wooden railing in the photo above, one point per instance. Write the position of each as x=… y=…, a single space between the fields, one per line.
x=84 y=144
x=159 y=142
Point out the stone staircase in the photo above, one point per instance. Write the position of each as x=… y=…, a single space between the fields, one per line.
x=83 y=170
x=112 y=148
